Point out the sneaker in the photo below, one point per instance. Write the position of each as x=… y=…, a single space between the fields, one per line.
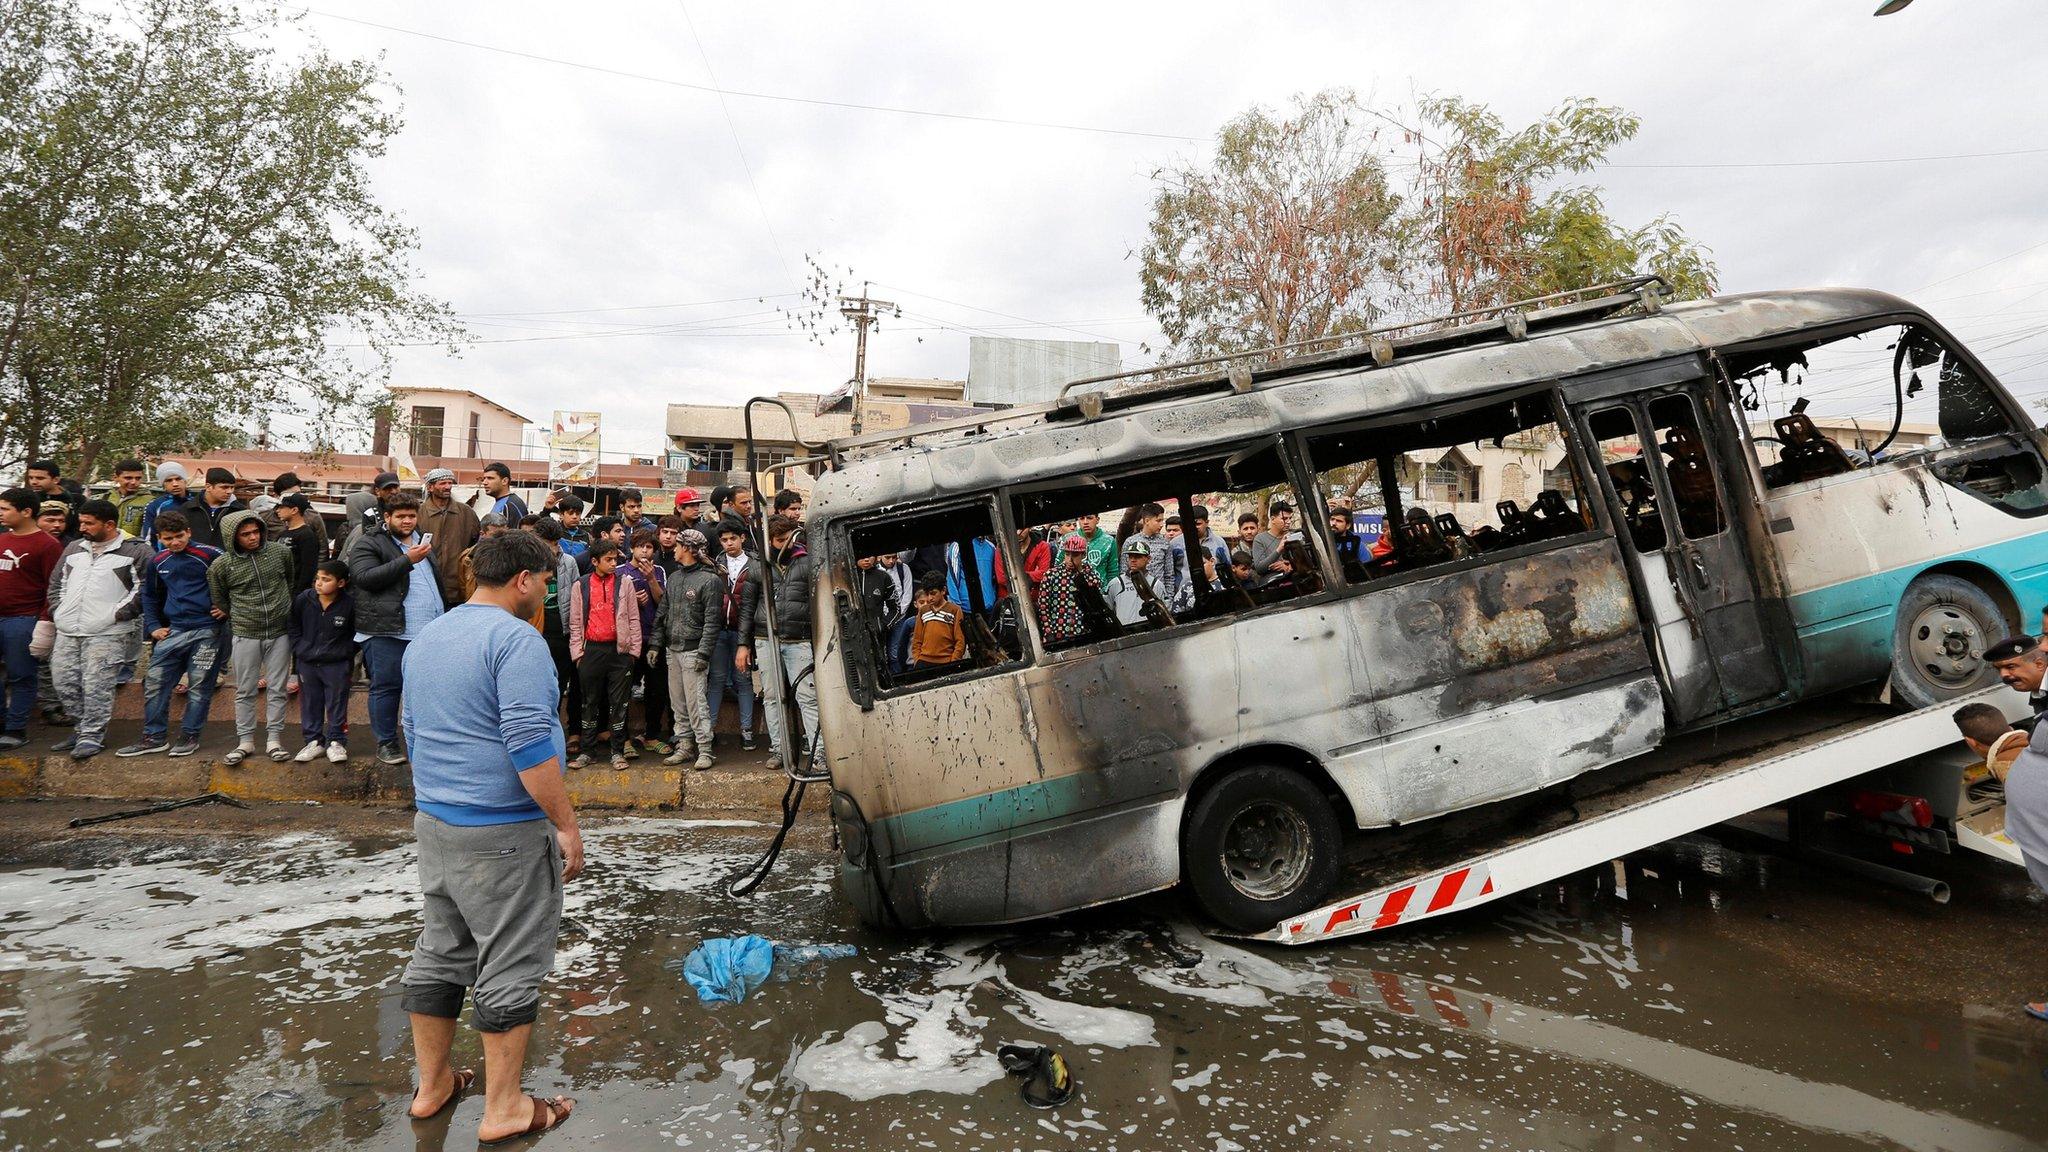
x=391 y=752
x=746 y=741
x=337 y=752
x=310 y=752
x=143 y=747
x=582 y=760
x=185 y=746
x=619 y=763
x=59 y=718
x=11 y=740
x=704 y=760
x=64 y=745
x=84 y=750
x=675 y=757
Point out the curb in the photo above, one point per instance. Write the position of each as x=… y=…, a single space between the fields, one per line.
x=365 y=781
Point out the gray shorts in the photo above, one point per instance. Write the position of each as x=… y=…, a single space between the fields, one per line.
x=493 y=907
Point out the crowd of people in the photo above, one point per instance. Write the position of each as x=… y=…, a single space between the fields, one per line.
x=178 y=584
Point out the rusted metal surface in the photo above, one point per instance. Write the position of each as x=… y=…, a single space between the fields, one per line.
x=1419 y=698
x=1039 y=450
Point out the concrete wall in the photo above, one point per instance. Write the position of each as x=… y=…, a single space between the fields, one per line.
x=1005 y=371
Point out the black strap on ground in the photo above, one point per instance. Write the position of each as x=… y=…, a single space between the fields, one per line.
x=749 y=878
x=166 y=806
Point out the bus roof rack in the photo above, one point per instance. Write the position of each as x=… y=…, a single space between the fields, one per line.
x=1089 y=397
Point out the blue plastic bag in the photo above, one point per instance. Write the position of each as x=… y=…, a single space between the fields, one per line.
x=729 y=970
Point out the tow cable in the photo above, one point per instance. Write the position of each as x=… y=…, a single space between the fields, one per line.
x=743 y=882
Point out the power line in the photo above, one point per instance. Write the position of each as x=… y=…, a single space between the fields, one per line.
x=1827 y=163
x=1980 y=267
x=775 y=96
x=755 y=296
x=745 y=166
x=994 y=312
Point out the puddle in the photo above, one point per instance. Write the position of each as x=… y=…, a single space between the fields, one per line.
x=187 y=996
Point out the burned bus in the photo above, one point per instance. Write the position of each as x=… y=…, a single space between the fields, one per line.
x=1612 y=518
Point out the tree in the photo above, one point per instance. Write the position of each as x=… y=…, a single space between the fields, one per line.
x=186 y=229
x=1493 y=224
x=1287 y=235
x=1293 y=231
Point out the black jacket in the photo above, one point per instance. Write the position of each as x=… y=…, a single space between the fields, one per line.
x=206 y=520
x=794 y=576
x=740 y=603
x=323 y=635
x=379 y=575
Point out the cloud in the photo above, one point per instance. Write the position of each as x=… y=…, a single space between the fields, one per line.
x=539 y=188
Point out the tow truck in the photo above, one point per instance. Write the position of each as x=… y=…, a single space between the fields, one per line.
x=1841 y=766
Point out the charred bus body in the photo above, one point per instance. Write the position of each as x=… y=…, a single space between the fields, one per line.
x=1688 y=556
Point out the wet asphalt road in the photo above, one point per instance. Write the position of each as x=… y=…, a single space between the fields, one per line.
x=181 y=991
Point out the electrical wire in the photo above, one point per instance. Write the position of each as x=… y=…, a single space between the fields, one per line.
x=671 y=82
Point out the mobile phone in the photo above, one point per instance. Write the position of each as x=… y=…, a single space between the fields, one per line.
x=426 y=538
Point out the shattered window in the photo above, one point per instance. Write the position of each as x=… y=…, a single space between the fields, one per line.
x=962 y=616
x=1451 y=485
x=1619 y=446
x=1163 y=546
x=1688 y=473
x=1828 y=406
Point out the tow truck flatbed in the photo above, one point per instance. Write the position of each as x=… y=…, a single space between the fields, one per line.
x=1692 y=782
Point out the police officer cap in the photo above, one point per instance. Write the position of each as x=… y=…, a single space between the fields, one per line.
x=2010 y=648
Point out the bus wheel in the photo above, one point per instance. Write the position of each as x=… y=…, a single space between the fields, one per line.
x=1262 y=845
x=1938 y=641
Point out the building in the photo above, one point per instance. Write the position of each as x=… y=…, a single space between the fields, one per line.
x=1002 y=372
x=454 y=422
x=708 y=442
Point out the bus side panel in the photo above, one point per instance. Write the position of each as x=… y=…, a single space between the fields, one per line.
x=1503 y=679
x=1849 y=545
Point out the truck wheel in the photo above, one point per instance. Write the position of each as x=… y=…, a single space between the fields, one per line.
x=1938 y=641
x=1262 y=845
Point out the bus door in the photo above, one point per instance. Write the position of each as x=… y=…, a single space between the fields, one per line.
x=1669 y=499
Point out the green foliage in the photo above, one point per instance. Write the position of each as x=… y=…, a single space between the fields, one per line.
x=1287 y=235
x=186 y=227
x=1293 y=232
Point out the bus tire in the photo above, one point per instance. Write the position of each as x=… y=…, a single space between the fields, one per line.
x=1944 y=623
x=1262 y=845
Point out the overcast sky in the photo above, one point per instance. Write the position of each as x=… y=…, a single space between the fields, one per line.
x=606 y=244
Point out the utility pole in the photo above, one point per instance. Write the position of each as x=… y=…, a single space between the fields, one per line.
x=862 y=312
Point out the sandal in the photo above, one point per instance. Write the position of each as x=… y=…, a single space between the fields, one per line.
x=1047 y=1083
x=236 y=756
x=464 y=1077
x=546 y=1115
x=278 y=753
x=619 y=763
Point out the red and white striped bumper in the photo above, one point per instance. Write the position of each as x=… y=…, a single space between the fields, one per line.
x=1402 y=904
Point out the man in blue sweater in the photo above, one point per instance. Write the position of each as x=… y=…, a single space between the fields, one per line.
x=497 y=835
x=178 y=615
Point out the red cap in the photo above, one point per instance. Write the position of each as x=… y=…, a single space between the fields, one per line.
x=687 y=496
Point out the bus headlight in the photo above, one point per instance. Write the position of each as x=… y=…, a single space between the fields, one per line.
x=853 y=830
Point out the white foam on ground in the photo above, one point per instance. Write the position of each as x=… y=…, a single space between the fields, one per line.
x=938 y=1051
x=1082 y=1024
x=1227 y=974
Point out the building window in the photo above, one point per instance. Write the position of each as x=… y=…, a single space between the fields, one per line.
x=768 y=458
x=476 y=420
x=709 y=456
x=1450 y=481
x=427 y=427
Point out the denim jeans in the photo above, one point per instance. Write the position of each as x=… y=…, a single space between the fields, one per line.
x=724 y=677
x=15 y=634
x=193 y=652
x=796 y=661
x=384 y=659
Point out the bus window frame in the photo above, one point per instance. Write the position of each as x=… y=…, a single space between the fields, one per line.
x=839 y=536
x=1717 y=355
x=1289 y=462
x=1599 y=526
